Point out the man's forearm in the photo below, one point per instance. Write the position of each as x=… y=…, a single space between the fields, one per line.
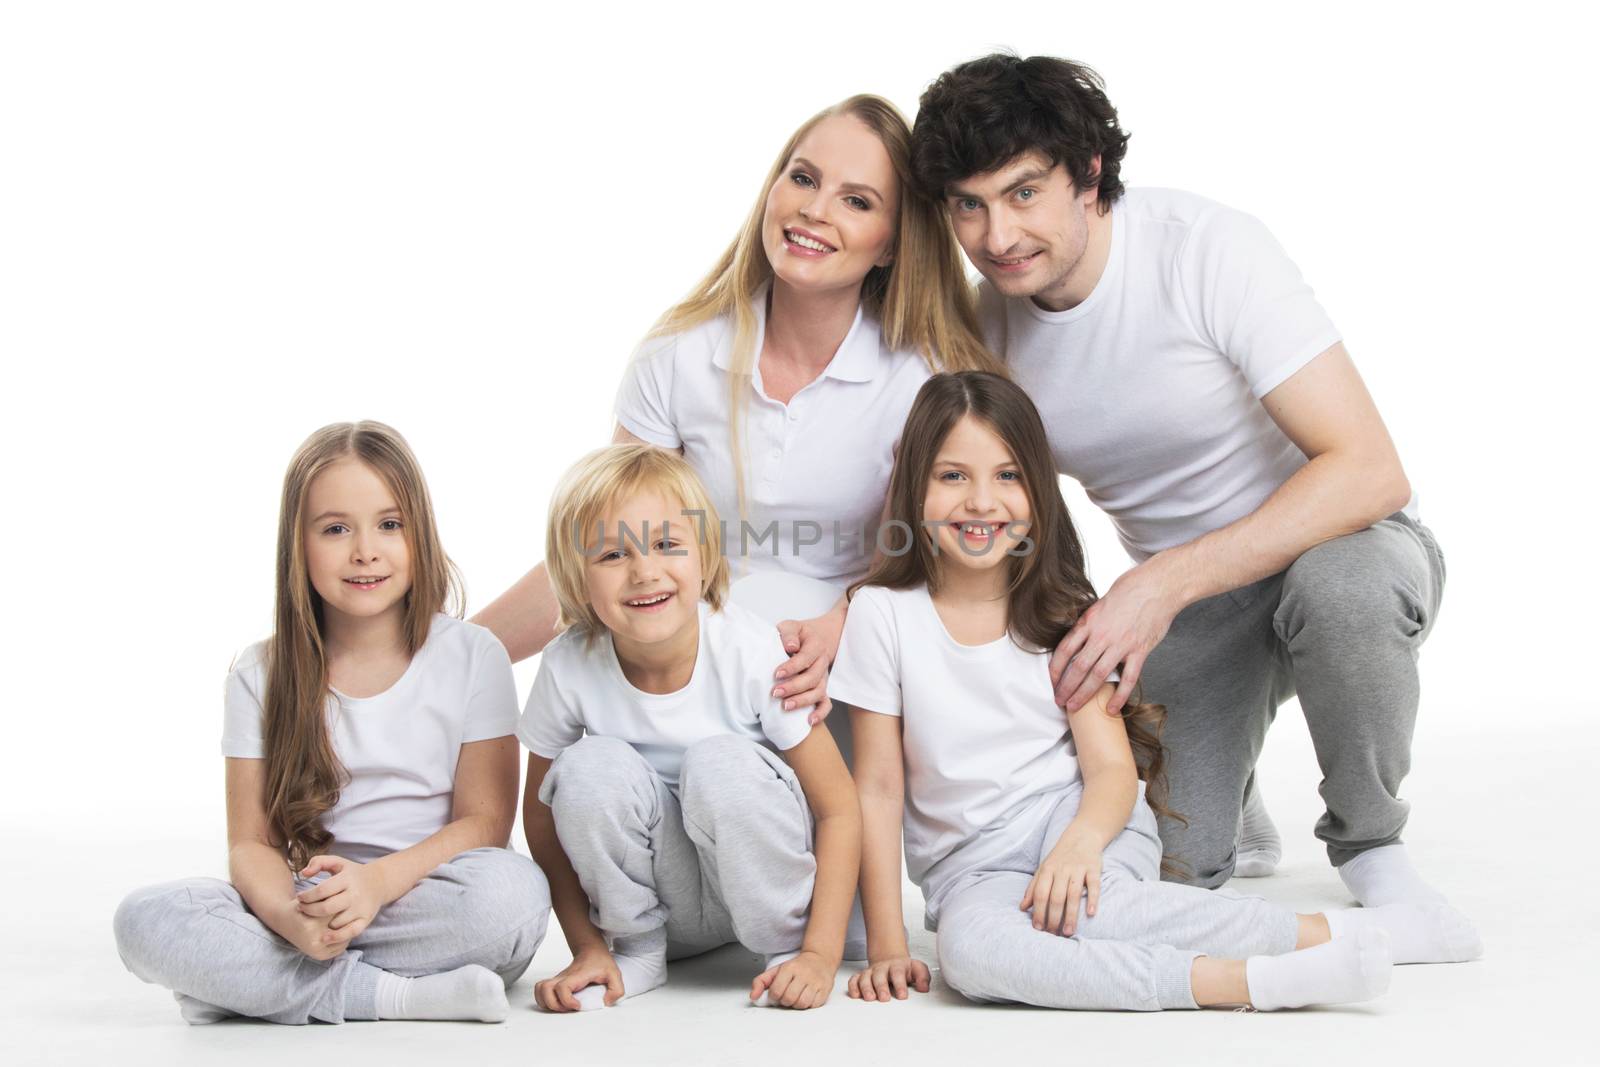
x=1334 y=494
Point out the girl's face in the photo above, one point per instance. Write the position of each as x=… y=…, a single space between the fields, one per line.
x=355 y=542
x=645 y=594
x=976 y=508
x=831 y=214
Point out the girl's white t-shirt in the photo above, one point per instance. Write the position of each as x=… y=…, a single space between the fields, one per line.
x=580 y=689
x=400 y=747
x=982 y=734
x=816 y=469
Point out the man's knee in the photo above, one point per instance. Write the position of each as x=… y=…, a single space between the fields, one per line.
x=1362 y=586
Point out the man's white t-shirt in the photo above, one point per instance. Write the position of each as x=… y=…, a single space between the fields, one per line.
x=1151 y=389
x=580 y=689
x=982 y=735
x=400 y=747
x=816 y=469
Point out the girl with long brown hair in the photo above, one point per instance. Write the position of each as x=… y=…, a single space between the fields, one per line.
x=371 y=779
x=1032 y=836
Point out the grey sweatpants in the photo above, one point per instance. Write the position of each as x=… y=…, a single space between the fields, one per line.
x=197 y=938
x=1342 y=627
x=731 y=861
x=1134 y=954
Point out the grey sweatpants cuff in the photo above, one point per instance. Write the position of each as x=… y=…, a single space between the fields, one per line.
x=1172 y=979
x=361 y=993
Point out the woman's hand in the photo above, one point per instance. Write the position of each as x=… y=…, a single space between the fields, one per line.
x=1068 y=873
x=592 y=966
x=893 y=978
x=800 y=983
x=803 y=677
x=347 y=901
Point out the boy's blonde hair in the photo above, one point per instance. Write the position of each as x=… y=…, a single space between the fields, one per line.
x=593 y=485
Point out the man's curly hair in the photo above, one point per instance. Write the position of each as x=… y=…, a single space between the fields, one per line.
x=984 y=113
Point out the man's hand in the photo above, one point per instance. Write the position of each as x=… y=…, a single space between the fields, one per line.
x=1121 y=629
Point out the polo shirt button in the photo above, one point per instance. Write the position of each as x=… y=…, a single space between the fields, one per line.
x=794 y=416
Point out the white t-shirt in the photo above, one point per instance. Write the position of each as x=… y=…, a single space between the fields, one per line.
x=1151 y=389
x=580 y=689
x=982 y=735
x=817 y=467
x=400 y=747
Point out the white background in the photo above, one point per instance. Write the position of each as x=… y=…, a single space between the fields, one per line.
x=222 y=226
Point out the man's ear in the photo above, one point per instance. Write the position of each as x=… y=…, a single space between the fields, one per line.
x=1093 y=188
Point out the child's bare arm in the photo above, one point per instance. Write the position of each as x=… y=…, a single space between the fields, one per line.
x=591 y=959
x=880 y=779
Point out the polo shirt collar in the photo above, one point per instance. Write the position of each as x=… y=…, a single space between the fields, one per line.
x=856 y=360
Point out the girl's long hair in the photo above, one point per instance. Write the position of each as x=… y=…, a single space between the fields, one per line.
x=303 y=774
x=922 y=300
x=1048 y=585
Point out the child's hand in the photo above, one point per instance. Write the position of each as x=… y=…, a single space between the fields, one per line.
x=592 y=966
x=894 y=977
x=1068 y=873
x=304 y=932
x=800 y=983
x=347 y=902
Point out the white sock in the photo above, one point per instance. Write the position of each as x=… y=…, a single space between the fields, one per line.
x=777 y=959
x=642 y=959
x=1339 y=972
x=1420 y=931
x=1259 y=846
x=470 y=992
x=1384 y=875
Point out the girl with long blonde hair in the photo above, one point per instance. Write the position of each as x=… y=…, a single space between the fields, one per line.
x=371 y=779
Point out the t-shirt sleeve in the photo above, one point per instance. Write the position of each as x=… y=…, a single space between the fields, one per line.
x=866 y=671
x=785 y=729
x=550 y=722
x=242 y=697
x=1249 y=300
x=492 y=705
x=644 y=400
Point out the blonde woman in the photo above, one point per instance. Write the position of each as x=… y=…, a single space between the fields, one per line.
x=785 y=376
x=371 y=780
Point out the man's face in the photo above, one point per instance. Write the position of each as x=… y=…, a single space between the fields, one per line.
x=1023 y=225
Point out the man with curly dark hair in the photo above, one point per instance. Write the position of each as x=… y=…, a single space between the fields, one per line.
x=1191 y=382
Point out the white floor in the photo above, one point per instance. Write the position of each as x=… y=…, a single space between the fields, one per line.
x=1500 y=821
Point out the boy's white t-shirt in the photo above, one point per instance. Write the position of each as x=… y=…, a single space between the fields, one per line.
x=1150 y=390
x=982 y=735
x=400 y=747
x=580 y=689
x=816 y=468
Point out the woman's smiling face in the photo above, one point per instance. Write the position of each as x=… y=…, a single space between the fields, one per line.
x=831 y=215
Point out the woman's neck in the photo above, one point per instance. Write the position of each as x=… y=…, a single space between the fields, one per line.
x=661 y=666
x=806 y=328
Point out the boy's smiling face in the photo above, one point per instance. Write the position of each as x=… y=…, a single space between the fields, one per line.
x=644 y=576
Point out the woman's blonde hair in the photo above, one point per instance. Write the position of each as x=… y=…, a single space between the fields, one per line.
x=593 y=486
x=303 y=774
x=922 y=299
